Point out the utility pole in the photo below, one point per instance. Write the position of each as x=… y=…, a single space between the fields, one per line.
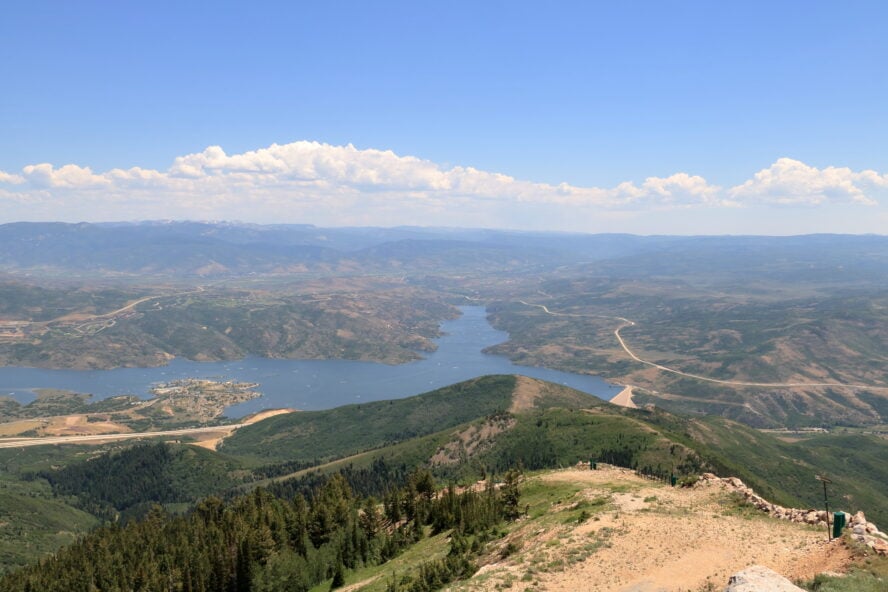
x=824 y=480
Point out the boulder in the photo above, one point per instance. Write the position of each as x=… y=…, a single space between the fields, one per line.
x=758 y=578
x=736 y=483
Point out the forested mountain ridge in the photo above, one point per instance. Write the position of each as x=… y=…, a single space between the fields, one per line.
x=343 y=431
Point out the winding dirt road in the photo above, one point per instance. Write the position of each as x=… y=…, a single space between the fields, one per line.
x=624 y=322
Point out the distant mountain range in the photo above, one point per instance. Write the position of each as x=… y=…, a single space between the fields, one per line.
x=224 y=249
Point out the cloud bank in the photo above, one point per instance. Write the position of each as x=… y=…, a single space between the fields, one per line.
x=335 y=185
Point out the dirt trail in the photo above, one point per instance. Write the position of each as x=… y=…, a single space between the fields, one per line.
x=526 y=392
x=657 y=539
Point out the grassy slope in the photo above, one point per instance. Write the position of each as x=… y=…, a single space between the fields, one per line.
x=784 y=471
x=561 y=437
x=34 y=523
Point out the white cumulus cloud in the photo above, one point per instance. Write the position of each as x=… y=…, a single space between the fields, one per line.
x=789 y=181
x=325 y=184
x=70 y=175
x=10 y=179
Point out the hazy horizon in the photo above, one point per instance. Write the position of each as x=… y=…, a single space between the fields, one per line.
x=431 y=228
x=677 y=119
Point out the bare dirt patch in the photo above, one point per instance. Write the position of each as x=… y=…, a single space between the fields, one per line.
x=471 y=441
x=80 y=425
x=211 y=440
x=655 y=538
x=527 y=391
x=624 y=398
x=14 y=428
x=251 y=419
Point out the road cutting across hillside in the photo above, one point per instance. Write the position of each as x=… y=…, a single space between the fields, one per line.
x=624 y=322
x=213 y=433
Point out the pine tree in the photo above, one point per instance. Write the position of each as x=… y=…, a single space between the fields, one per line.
x=338 y=577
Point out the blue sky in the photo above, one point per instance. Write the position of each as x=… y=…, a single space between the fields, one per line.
x=530 y=115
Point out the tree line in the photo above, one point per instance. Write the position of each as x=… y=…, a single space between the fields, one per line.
x=260 y=542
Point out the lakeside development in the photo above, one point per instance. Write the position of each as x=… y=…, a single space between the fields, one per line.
x=181 y=405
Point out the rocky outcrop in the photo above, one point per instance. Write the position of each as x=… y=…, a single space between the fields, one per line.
x=862 y=531
x=760 y=579
x=866 y=533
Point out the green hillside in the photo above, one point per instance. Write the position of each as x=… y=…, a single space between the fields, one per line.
x=784 y=472
x=335 y=433
x=486 y=426
x=466 y=430
x=125 y=483
x=33 y=522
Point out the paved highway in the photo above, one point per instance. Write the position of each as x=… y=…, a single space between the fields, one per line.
x=43 y=441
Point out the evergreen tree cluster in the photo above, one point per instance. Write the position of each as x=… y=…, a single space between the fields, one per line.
x=125 y=483
x=260 y=542
x=473 y=517
x=374 y=480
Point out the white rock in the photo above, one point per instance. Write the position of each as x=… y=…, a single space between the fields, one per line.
x=760 y=579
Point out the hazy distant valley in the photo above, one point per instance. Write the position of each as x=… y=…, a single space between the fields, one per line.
x=764 y=358
x=778 y=311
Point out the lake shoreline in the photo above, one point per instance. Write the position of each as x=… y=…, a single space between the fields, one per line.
x=313 y=384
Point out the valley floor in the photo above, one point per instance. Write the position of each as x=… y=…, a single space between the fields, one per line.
x=642 y=536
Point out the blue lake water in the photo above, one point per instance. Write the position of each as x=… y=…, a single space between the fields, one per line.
x=315 y=384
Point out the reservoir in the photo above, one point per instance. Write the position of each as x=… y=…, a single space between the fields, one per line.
x=315 y=384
